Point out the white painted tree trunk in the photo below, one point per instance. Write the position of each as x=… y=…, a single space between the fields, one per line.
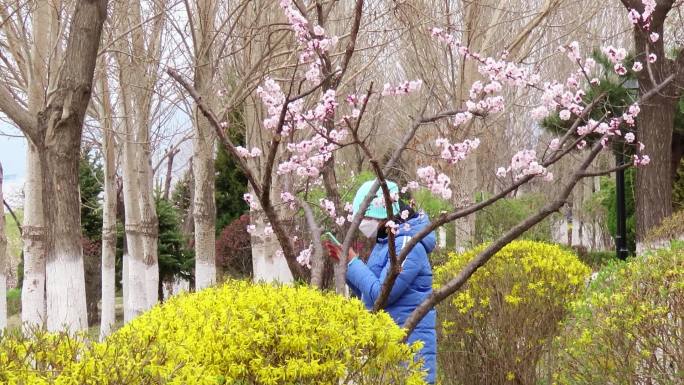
x=107 y=317
x=204 y=207
x=3 y=262
x=441 y=235
x=33 y=238
x=150 y=226
x=267 y=263
x=134 y=275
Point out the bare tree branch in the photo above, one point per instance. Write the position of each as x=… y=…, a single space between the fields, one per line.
x=20 y=116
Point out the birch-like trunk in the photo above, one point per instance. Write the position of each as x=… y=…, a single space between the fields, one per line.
x=204 y=208
x=150 y=226
x=134 y=273
x=108 y=318
x=45 y=31
x=138 y=66
x=3 y=263
x=33 y=239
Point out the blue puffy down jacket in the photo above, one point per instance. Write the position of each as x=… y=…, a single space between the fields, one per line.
x=412 y=286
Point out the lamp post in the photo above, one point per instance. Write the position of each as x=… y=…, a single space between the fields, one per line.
x=621 y=236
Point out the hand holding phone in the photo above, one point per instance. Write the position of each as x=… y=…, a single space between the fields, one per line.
x=334 y=247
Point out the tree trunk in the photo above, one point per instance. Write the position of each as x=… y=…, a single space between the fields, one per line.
x=150 y=227
x=3 y=263
x=33 y=239
x=653 y=184
x=108 y=317
x=133 y=278
x=204 y=208
x=655 y=126
x=33 y=304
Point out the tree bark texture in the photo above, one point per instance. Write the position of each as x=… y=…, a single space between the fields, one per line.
x=655 y=125
x=204 y=207
x=107 y=318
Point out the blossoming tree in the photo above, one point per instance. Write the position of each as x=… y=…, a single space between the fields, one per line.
x=308 y=121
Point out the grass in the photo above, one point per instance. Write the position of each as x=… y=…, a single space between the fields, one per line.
x=12 y=232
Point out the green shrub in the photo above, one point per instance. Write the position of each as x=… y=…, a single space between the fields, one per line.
x=496 y=328
x=238 y=333
x=497 y=219
x=671 y=228
x=627 y=329
x=13 y=302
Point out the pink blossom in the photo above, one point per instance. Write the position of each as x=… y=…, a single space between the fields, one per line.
x=654 y=36
x=304 y=258
x=582 y=144
x=634 y=16
x=328 y=206
x=555 y=144
x=402 y=89
x=392 y=226
x=637 y=67
x=595 y=82
x=461 y=118
x=539 y=113
x=340 y=221
x=251 y=229
x=456 y=152
x=652 y=58
x=501 y=172
x=620 y=69
x=437 y=183
x=564 y=115
x=572 y=50
x=268 y=230
x=348 y=207
x=629 y=137
x=641 y=161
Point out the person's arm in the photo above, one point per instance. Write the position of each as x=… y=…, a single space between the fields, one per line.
x=370 y=286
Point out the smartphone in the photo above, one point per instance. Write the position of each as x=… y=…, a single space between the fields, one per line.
x=332 y=238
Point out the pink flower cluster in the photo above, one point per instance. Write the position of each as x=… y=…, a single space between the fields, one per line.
x=304 y=257
x=313 y=42
x=328 y=206
x=245 y=153
x=288 y=199
x=253 y=203
x=456 y=152
x=498 y=70
x=404 y=88
x=643 y=19
x=525 y=163
x=437 y=183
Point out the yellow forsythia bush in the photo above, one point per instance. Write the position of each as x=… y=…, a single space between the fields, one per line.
x=629 y=327
x=496 y=328
x=241 y=333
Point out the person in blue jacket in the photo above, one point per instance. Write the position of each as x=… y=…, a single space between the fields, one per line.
x=413 y=284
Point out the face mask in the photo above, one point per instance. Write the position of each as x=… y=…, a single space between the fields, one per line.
x=369 y=227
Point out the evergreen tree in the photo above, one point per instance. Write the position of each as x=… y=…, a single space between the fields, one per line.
x=175 y=259
x=231 y=183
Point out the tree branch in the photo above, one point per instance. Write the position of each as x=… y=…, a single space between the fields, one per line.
x=457 y=282
x=20 y=116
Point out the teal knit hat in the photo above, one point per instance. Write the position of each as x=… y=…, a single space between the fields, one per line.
x=375 y=210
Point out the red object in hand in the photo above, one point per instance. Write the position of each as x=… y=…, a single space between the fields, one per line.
x=334 y=251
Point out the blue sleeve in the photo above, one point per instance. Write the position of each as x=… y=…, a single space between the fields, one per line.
x=370 y=286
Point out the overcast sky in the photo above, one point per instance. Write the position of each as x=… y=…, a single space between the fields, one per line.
x=12 y=158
